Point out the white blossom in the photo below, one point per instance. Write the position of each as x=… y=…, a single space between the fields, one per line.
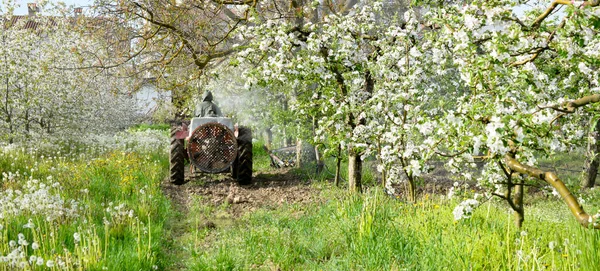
x=465 y=209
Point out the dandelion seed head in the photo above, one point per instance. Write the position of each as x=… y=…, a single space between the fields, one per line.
x=29 y=224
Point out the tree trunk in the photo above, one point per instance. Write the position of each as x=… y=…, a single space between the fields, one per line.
x=412 y=189
x=552 y=179
x=178 y=101
x=287 y=139
x=10 y=132
x=269 y=135
x=593 y=159
x=8 y=113
x=299 y=153
x=338 y=166
x=354 y=170
x=27 y=123
x=380 y=162
x=320 y=163
x=518 y=202
x=354 y=161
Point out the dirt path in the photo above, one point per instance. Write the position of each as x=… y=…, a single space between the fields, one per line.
x=269 y=190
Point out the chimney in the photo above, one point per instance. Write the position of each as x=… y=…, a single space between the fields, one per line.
x=32 y=9
x=78 y=11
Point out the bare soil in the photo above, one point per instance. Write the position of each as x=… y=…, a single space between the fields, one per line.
x=268 y=190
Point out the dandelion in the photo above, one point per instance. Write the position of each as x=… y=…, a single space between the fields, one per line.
x=29 y=224
x=50 y=263
x=35 y=245
x=61 y=263
x=520 y=253
x=450 y=193
x=523 y=233
x=76 y=237
x=40 y=261
x=552 y=245
x=22 y=240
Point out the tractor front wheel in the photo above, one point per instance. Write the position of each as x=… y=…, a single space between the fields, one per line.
x=177 y=158
x=242 y=167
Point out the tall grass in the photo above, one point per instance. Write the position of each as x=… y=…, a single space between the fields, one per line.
x=260 y=157
x=377 y=232
x=82 y=211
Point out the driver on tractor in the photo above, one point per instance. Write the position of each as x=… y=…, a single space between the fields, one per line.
x=207 y=108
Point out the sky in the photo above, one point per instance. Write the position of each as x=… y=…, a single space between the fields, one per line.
x=22 y=9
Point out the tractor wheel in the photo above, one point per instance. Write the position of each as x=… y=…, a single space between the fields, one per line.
x=242 y=167
x=177 y=159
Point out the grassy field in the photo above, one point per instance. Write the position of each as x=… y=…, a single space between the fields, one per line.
x=101 y=207
x=82 y=211
x=377 y=232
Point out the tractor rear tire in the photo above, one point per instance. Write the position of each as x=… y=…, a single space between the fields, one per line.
x=242 y=167
x=177 y=158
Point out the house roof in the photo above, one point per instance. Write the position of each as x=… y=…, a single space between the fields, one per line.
x=27 y=22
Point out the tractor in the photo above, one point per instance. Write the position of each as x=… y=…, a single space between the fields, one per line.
x=211 y=145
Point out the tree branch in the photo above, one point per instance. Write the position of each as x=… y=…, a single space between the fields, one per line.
x=539 y=50
x=552 y=179
x=235 y=2
x=543 y=16
x=200 y=60
x=571 y=106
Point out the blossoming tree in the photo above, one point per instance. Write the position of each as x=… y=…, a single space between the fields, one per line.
x=455 y=82
x=46 y=88
x=531 y=90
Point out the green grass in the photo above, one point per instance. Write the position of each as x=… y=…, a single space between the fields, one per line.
x=119 y=214
x=568 y=166
x=144 y=126
x=377 y=232
x=308 y=171
x=260 y=157
x=338 y=231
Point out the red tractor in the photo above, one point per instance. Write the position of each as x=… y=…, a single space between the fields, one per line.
x=212 y=145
